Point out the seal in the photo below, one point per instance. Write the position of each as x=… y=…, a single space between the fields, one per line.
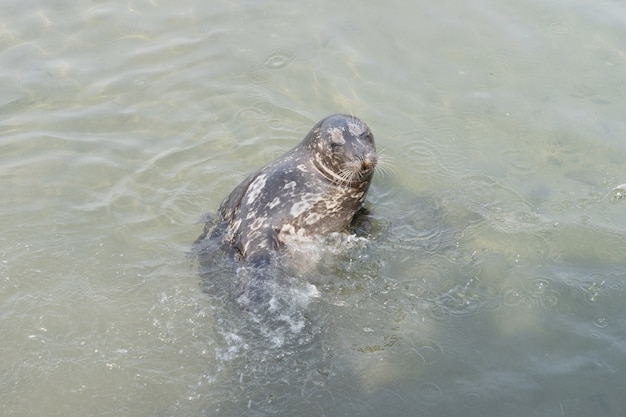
x=316 y=188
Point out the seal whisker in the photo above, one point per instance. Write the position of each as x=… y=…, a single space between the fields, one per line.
x=346 y=176
x=384 y=164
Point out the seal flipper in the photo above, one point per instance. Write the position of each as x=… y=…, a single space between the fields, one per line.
x=253 y=288
x=361 y=224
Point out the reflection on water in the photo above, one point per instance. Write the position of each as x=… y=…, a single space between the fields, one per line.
x=492 y=284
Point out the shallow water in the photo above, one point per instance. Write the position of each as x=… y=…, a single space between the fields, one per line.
x=494 y=280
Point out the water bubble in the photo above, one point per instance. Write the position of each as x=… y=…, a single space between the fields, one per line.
x=601 y=321
x=538 y=286
x=512 y=296
x=280 y=59
x=593 y=289
x=618 y=193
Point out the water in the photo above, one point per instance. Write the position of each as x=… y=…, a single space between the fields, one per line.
x=495 y=278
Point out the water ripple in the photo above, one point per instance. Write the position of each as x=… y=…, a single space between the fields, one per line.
x=429 y=393
x=260 y=76
x=428 y=351
x=518 y=162
x=601 y=320
x=280 y=59
x=472 y=399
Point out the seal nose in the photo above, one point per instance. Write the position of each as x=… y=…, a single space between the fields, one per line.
x=369 y=162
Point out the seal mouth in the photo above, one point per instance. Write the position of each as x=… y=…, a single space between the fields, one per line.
x=352 y=174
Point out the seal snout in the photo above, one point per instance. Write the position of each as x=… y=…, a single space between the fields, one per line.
x=368 y=163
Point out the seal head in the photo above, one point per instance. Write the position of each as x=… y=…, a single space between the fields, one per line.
x=343 y=150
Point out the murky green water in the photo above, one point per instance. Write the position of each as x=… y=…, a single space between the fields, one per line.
x=494 y=284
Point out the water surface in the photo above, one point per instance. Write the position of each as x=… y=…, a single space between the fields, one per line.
x=494 y=280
